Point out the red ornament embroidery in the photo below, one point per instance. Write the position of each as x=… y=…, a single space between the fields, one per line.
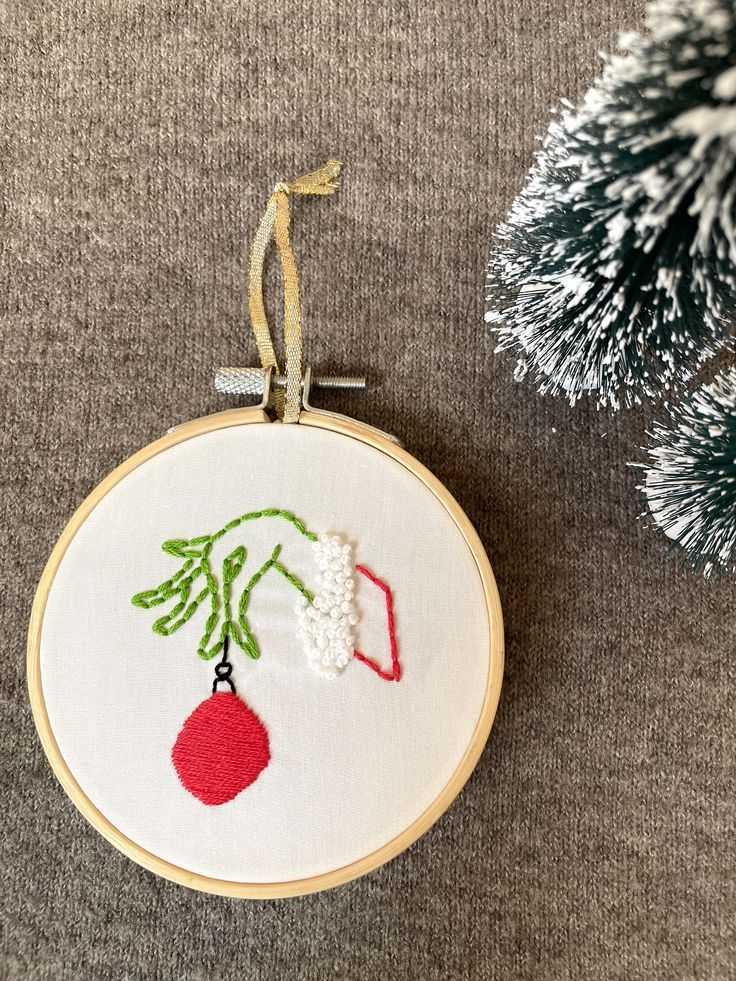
x=221 y=749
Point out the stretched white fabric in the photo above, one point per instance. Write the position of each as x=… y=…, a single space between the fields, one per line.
x=354 y=759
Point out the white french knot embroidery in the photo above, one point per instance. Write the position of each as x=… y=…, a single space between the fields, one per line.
x=326 y=628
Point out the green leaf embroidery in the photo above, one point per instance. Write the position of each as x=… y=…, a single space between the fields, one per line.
x=233 y=564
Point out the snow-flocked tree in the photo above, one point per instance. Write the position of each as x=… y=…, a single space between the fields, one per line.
x=615 y=271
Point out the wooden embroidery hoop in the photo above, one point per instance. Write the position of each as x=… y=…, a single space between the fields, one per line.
x=339 y=876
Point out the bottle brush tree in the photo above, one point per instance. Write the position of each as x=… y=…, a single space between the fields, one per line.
x=615 y=272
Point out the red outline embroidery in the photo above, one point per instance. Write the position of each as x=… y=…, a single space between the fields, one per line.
x=395 y=674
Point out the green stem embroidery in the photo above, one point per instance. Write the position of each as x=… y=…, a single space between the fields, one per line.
x=266 y=513
x=196 y=555
x=272 y=563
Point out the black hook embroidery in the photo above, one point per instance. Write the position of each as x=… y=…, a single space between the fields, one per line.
x=223 y=669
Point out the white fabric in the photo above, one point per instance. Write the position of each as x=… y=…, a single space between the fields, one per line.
x=354 y=760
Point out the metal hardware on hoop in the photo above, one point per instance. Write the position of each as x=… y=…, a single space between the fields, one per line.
x=262 y=381
x=308 y=383
x=255 y=381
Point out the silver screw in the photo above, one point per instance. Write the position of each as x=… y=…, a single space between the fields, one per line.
x=252 y=381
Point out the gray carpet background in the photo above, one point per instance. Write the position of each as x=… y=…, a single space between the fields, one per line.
x=139 y=143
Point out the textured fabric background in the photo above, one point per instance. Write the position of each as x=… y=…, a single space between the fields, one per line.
x=139 y=141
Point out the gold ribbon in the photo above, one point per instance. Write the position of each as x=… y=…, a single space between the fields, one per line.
x=275 y=225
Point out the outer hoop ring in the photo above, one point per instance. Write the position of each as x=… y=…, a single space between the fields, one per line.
x=336 y=877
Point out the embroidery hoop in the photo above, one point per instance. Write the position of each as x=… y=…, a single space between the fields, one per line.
x=262 y=890
x=285 y=395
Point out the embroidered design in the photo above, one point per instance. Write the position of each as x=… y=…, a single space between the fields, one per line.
x=223 y=746
x=395 y=674
x=196 y=555
x=326 y=625
x=221 y=749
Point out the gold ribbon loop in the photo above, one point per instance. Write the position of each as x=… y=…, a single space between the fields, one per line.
x=275 y=224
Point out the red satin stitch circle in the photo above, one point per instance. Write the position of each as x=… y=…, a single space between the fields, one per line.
x=221 y=749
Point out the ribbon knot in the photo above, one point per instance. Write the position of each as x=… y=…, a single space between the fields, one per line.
x=276 y=224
